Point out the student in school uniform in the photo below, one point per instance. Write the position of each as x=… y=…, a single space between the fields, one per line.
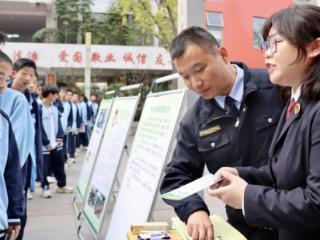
x=76 y=122
x=285 y=193
x=52 y=142
x=24 y=75
x=64 y=107
x=85 y=114
x=16 y=106
x=11 y=190
x=93 y=105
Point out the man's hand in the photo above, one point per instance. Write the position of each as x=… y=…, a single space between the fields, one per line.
x=224 y=181
x=199 y=226
x=15 y=228
x=232 y=193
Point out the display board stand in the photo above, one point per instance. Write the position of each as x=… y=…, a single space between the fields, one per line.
x=93 y=148
x=151 y=147
x=104 y=173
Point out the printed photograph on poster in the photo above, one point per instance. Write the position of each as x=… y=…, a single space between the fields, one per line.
x=92 y=196
x=99 y=204
x=100 y=121
x=96 y=201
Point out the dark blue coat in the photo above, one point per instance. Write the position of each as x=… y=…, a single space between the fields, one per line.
x=289 y=199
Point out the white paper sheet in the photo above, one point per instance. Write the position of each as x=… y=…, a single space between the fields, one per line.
x=193 y=187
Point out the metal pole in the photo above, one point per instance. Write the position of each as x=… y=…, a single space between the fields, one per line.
x=87 y=69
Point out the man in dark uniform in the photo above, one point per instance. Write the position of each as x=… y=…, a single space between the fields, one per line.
x=230 y=124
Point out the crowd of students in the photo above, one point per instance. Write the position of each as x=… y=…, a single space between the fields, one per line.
x=41 y=126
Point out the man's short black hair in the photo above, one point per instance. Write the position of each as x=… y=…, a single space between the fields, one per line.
x=47 y=89
x=193 y=35
x=24 y=62
x=5 y=58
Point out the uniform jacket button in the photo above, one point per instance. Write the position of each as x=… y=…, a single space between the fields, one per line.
x=269 y=120
x=212 y=144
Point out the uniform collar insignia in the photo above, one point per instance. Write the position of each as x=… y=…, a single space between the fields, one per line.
x=209 y=131
x=297 y=108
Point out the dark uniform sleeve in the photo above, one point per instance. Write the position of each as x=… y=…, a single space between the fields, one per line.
x=60 y=130
x=13 y=179
x=186 y=166
x=70 y=117
x=38 y=140
x=44 y=137
x=79 y=119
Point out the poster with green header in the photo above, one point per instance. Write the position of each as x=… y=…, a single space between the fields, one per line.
x=108 y=160
x=149 y=151
x=93 y=147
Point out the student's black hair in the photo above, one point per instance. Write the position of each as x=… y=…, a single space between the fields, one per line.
x=40 y=83
x=5 y=58
x=193 y=35
x=64 y=89
x=24 y=62
x=47 y=89
x=300 y=25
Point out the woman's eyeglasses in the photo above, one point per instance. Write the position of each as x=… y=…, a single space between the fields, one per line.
x=269 y=44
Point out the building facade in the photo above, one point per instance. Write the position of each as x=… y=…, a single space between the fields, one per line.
x=236 y=25
x=20 y=19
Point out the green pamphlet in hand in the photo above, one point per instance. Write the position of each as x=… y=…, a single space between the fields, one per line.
x=193 y=187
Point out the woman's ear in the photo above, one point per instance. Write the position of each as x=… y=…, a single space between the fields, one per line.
x=313 y=49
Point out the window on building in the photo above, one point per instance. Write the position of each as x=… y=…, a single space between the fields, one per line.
x=215 y=25
x=257 y=25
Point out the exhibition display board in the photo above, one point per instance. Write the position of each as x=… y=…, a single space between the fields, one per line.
x=108 y=160
x=93 y=147
x=151 y=147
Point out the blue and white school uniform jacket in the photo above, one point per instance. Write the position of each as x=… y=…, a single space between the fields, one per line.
x=11 y=190
x=65 y=116
x=84 y=112
x=46 y=127
x=76 y=119
x=94 y=110
x=37 y=157
x=16 y=106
